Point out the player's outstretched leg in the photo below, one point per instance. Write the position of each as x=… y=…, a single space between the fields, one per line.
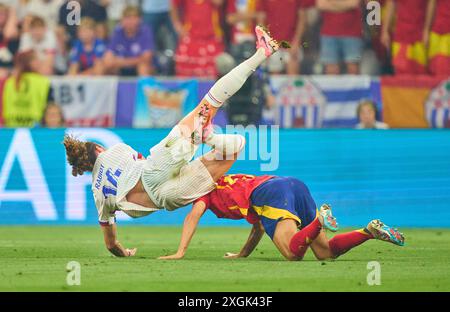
x=197 y=124
x=341 y=243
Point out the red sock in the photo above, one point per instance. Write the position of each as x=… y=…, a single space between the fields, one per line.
x=342 y=243
x=302 y=239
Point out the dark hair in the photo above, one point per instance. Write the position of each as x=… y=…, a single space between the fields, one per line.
x=22 y=64
x=37 y=21
x=49 y=105
x=80 y=155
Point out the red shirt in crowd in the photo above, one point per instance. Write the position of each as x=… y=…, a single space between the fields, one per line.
x=201 y=18
x=342 y=24
x=282 y=16
x=441 y=24
x=410 y=20
x=231 y=198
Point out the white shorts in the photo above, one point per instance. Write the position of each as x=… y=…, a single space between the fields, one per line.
x=170 y=180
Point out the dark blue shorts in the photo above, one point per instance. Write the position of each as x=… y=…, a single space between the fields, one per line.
x=283 y=198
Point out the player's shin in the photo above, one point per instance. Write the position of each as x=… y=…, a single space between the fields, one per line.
x=302 y=239
x=342 y=243
x=229 y=84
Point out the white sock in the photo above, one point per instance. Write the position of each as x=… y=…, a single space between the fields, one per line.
x=229 y=84
x=226 y=144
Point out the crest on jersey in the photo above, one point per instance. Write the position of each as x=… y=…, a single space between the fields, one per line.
x=437 y=106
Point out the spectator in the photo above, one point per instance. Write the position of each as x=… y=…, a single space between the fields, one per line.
x=131 y=48
x=367 y=112
x=410 y=35
x=9 y=42
x=114 y=9
x=201 y=36
x=156 y=14
x=89 y=8
x=287 y=20
x=243 y=21
x=53 y=116
x=439 y=46
x=25 y=93
x=341 y=35
x=47 y=9
x=87 y=52
x=43 y=42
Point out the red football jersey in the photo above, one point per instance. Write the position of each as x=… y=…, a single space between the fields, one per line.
x=282 y=16
x=201 y=19
x=441 y=23
x=410 y=20
x=231 y=198
x=342 y=24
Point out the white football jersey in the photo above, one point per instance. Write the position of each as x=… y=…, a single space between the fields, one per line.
x=115 y=173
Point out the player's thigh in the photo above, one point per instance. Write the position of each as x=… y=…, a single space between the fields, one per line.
x=284 y=232
x=321 y=247
x=217 y=166
x=192 y=120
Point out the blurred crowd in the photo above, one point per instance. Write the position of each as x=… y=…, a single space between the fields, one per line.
x=205 y=38
x=185 y=38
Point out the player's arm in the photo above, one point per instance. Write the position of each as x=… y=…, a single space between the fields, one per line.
x=429 y=18
x=387 y=23
x=189 y=227
x=113 y=245
x=253 y=240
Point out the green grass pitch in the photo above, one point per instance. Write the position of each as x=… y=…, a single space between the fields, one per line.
x=35 y=259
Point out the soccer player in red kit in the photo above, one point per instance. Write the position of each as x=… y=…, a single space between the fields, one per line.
x=284 y=208
x=412 y=26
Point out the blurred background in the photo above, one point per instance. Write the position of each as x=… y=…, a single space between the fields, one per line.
x=126 y=70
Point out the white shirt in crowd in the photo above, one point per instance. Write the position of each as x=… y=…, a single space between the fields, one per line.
x=116 y=7
x=377 y=125
x=48 y=45
x=46 y=9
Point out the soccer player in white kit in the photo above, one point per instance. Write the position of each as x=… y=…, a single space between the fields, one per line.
x=167 y=179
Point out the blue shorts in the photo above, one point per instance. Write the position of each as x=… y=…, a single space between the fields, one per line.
x=283 y=198
x=334 y=50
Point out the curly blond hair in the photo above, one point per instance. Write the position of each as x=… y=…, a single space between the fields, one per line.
x=80 y=155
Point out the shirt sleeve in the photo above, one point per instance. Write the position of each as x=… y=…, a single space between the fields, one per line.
x=25 y=43
x=112 y=46
x=204 y=199
x=148 y=42
x=50 y=43
x=74 y=54
x=100 y=49
x=105 y=217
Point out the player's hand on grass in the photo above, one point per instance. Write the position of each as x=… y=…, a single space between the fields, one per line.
x=230 y=255
x=131 y=252
x=176 y=256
